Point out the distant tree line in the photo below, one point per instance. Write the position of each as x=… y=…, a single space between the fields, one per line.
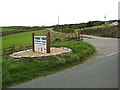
x=66 y=28
x=19 y=29
x=69 y=28
x=103 y=32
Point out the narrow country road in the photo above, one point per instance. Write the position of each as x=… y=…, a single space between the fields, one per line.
x=100 y=71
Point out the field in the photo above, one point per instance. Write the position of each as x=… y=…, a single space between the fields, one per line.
x=98 y=27
x=94 y=27
x=25 y=38
x=18 y=29
x=21 y=38
x=15 y=72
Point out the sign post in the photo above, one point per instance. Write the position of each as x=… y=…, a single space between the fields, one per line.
x=33 y=41
x=48 y=42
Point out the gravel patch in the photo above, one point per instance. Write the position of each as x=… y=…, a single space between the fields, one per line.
x=31 y=54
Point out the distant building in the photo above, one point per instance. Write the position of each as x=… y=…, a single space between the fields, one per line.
x=112 y=23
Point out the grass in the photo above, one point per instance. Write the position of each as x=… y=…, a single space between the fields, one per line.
x=25 y=38
x=18 y=29
x=95 y=27
x=20 y=38
x=0 y=29
x=0 y=72
x=15 y=72
x=100 y=27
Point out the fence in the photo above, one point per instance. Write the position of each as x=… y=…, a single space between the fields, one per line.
x=15 y=48
x=74 y=36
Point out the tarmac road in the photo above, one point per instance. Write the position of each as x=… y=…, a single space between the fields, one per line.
x=100 y=71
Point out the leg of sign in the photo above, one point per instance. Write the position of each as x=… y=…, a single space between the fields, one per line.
x=33 y=41
x=48 y=42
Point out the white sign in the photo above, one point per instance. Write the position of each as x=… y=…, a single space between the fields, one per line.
x=40 y=44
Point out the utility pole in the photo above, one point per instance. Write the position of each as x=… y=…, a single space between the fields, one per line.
x=58 y=23
x=105 y=17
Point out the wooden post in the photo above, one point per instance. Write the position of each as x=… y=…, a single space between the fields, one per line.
x=33 y=41
x=13 y=48
x=78 y=35
x=75 y=36
x=81 y=36
x=48 y=42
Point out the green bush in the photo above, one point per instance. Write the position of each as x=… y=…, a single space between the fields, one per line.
x=103 y=32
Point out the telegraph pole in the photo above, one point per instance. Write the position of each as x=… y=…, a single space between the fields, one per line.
x=58 y=23
x=105 y=17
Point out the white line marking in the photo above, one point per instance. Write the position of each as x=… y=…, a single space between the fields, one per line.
x=113 y=54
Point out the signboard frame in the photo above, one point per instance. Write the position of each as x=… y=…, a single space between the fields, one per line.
x=45 y=45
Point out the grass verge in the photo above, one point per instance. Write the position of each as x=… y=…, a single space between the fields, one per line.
x=15 y=72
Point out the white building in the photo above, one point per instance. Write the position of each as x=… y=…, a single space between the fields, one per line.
x=113 y=24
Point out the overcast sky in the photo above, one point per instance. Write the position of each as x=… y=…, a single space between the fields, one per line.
x=46 y=12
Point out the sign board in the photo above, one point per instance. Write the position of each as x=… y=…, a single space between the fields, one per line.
x=40 y=44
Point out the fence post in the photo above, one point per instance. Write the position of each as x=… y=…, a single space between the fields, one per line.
x=48 y=42
x=78 y=35
x=75 y=36
x=13 y=48
x=82 y=37
x=33 y=41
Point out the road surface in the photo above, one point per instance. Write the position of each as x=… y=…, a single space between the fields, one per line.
x=100 y=71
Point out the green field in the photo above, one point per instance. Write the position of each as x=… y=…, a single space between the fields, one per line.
x=20 y=38
x=94 y=27
x=25 y=38
x=99 y=26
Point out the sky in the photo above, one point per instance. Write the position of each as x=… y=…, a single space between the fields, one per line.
x=119 y=10
x=46 y=12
